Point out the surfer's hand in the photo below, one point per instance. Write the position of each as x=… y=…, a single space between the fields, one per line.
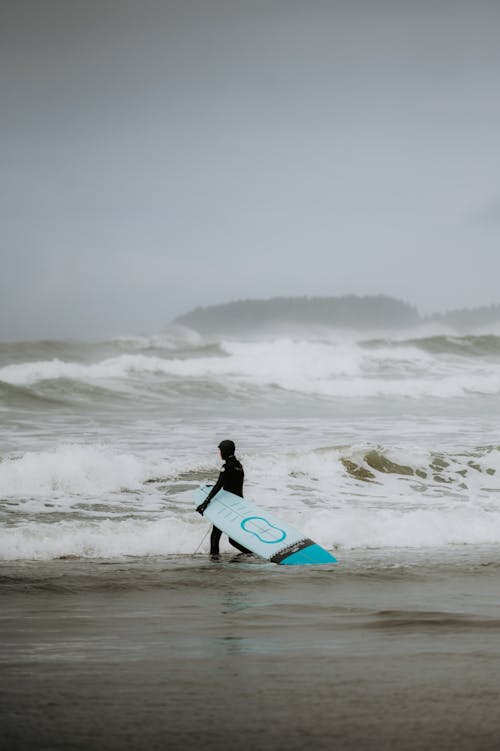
x=202 y=507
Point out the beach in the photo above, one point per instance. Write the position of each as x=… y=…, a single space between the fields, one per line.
x=241 y=654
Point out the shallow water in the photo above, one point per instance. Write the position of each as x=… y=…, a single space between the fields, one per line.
x=193 y=653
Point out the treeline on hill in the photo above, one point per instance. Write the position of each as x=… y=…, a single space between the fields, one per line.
x=469 y=318
x=369 y=312
x=286 y=312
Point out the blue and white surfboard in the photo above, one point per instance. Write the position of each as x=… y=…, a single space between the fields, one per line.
x=260 y=531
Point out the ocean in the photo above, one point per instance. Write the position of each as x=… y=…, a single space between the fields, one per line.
x=119 y=631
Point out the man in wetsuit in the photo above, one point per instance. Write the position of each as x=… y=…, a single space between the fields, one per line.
x=230 y=478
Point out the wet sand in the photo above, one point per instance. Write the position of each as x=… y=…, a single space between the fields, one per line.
x=195 y=654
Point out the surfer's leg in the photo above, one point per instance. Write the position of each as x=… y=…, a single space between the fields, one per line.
x=214 y=541
x=239 y=547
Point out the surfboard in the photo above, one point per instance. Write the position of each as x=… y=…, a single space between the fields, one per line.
x=260 y=531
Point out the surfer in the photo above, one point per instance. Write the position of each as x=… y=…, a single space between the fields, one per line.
x=231 y=479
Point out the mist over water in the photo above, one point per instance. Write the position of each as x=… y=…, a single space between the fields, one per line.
x=363 y=442
x=162 y=155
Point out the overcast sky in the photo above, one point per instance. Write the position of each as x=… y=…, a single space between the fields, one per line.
x=156 y=156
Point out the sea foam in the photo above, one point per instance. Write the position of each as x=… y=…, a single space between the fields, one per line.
x=77 y=470
x=342 y=529
x=343 y=497
x=327 y=368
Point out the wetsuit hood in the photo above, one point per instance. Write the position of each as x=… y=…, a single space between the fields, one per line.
x=227 y=449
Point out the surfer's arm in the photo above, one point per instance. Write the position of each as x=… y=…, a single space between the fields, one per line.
x=218 y=486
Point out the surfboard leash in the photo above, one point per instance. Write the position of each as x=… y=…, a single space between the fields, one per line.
x=202 y=541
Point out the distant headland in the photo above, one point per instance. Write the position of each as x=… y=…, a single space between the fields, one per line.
x=371 y=312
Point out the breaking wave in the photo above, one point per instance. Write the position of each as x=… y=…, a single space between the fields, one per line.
x=466 y=346
x=91 y=501
x=440 y=367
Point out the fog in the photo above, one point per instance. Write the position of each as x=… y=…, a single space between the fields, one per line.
x=157 y=156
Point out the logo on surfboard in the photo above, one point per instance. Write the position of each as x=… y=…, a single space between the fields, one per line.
x=263 y=529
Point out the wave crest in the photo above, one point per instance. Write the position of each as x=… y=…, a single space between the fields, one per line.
x=333 y=369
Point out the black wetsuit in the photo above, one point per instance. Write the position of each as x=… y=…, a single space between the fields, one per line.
x=230 y=478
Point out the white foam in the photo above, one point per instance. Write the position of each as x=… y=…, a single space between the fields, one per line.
x=171 y=337
x=421 y=528
x=452 y=504
x=328 y=368
x=25 y=374
x=77 y=470
x=456 y=503
x=336 y=528
x=104 y=539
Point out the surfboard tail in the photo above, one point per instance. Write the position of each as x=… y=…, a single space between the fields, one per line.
x=303 y=553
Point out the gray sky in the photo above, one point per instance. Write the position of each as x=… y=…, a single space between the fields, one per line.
x=156 y=156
